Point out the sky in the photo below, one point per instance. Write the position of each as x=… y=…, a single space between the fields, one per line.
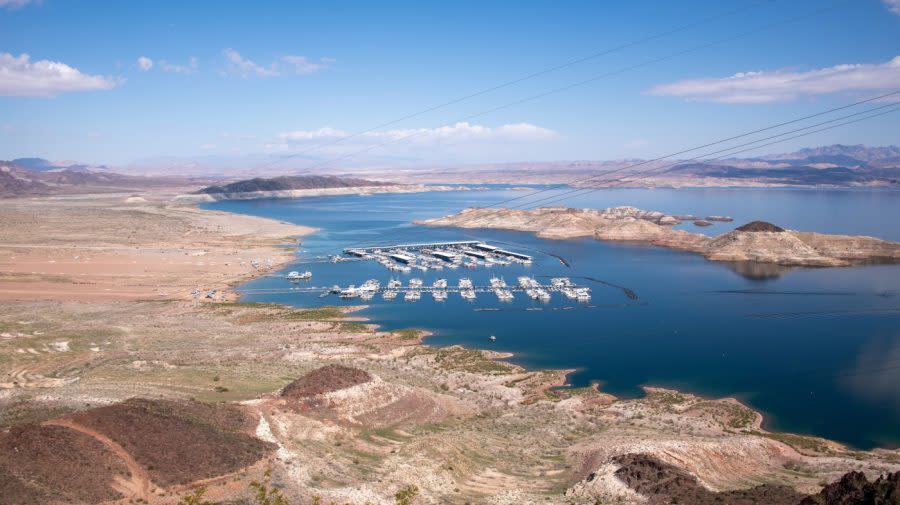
x=345 y=84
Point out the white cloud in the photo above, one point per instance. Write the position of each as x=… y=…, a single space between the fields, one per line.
x=302 y=65
x=190 y=68
x=207 y=147
x=290 y=64
x=14 y=4
x=304 y=135
x=144 y=63
x=783 y=86
x=21 y=77
x=893 y=5
x=457 y=133
x=239 y=65
x=465 y=132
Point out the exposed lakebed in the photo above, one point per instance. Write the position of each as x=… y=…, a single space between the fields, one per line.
x=816 y=350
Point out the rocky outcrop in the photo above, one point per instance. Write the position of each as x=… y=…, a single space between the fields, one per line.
x=754 y=226
x=325 y=380
x=218 y=195
x=662 y=483
x=757 y=241
x=855 y=489
x=287 y=183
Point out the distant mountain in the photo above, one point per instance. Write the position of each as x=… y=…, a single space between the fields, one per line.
x=20 y=180
x=839 y=154
x=833 y=166
x=35 y=164
x=44 y=165
x=287 y=183
x=16 y=181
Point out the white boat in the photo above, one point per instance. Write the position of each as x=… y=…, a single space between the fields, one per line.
x=503 y=295
x=492 y=337
x=415 y=282
x=497 y=282
x=528 y=282
x=350 y=292
x=370 y=285
x=465 y=283
x=389 y=294
x=439 y=295
x=440 y=283
x=468 y=294
x=412 y=296
x=394 y=284
x=297 y=276
x=560 y=282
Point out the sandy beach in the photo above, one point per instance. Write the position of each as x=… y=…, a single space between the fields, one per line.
x=108 y=247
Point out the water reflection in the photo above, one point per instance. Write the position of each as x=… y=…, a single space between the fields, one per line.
x=755 y=271
x=875 y=375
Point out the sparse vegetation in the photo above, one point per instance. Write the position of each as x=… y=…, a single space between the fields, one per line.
x=353 y=328
x=265 y=494
x=195 y=498
x=408 y=334
x=406 y=495
x=803 y=444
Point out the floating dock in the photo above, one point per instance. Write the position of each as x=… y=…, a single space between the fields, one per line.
x=436 y=255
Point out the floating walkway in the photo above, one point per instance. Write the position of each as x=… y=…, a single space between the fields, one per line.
x=439 y=290
x=435 y=255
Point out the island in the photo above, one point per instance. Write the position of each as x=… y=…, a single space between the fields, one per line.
x=758 y=241
x=298 y=186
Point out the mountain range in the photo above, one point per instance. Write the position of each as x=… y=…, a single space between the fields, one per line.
x=827 y=166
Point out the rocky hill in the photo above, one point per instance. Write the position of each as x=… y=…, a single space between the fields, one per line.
x=304 y=186
x=757 y=241
x=17 y=180
x=288 y=183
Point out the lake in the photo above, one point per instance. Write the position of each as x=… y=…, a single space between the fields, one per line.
x=817 y=351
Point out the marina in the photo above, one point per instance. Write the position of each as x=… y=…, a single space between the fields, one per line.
x=440 y=289
x=405 y=258
x=668 y=332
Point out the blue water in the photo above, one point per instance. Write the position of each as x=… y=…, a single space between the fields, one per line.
x=816 y=350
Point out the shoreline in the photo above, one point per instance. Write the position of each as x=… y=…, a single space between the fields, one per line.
x=465 y=405
x=134 y=247
x=646 y=389
x=755 y=242
x=198 y=198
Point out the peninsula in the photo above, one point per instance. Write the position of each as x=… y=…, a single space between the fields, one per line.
x=757 y=241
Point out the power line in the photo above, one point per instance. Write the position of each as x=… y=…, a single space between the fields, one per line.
x=518 y=80
x=650 y=172
x=581 y=83
x=710 y=144
x=628 y=178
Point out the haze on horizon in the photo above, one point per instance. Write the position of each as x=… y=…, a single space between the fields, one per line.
x=126 y=84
